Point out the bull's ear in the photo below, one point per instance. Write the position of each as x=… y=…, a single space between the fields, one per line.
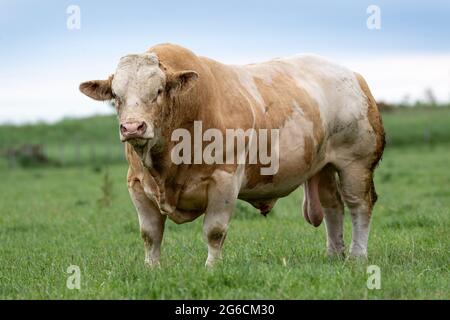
x=98 y=89
x=181 y=82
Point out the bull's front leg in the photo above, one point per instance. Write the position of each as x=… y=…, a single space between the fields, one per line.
x=222 y=196
x=151 y=223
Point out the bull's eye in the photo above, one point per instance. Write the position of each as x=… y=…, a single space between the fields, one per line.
x=157 y=95
x=117 y=101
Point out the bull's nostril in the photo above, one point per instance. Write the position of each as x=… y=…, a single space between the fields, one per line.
x=142 y=127
x=133 y=129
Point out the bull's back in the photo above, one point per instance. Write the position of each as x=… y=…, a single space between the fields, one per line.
x=332 y=87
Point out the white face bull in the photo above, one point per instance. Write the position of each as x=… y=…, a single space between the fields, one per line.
x=329 y=123
x=140 y=90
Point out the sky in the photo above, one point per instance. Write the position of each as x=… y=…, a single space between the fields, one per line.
x=42 y=61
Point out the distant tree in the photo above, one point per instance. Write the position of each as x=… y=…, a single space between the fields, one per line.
x=384 y=107
x=406 y=101
x=430 y=98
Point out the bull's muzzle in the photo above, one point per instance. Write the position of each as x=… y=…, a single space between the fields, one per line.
x=133 y=130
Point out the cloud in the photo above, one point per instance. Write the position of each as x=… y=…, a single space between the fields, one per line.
x=392 y=78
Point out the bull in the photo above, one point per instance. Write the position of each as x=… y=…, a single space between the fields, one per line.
x=330 y=138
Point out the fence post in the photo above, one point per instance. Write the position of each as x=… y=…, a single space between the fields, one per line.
x=77 y=155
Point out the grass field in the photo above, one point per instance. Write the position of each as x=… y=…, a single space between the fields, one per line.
x=51 y=218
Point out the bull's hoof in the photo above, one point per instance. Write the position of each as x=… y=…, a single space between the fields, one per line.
x=211 y=263
x=336 y=250
x=336 y=255
x=152 y=263
x=358 y=256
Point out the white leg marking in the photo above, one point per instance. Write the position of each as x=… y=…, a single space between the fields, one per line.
x=360 y=231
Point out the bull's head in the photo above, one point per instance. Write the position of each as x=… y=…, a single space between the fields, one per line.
x=141 y=90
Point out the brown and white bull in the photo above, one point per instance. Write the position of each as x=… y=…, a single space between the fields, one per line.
x=329 y=128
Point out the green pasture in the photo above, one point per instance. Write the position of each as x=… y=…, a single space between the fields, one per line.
x=75 y=210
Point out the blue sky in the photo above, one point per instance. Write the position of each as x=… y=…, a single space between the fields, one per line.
x=42 y=62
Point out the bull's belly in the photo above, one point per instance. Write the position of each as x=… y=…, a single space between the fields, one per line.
x=295 y=167
x=277 y=188
x=193 y=199
x=264 y=195
x=268 y=191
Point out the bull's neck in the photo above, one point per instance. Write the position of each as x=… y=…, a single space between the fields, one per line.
x=185 y=109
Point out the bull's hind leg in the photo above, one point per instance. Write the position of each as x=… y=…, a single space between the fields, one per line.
x=359 y=195
x=151 y=223
x=333 y=208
